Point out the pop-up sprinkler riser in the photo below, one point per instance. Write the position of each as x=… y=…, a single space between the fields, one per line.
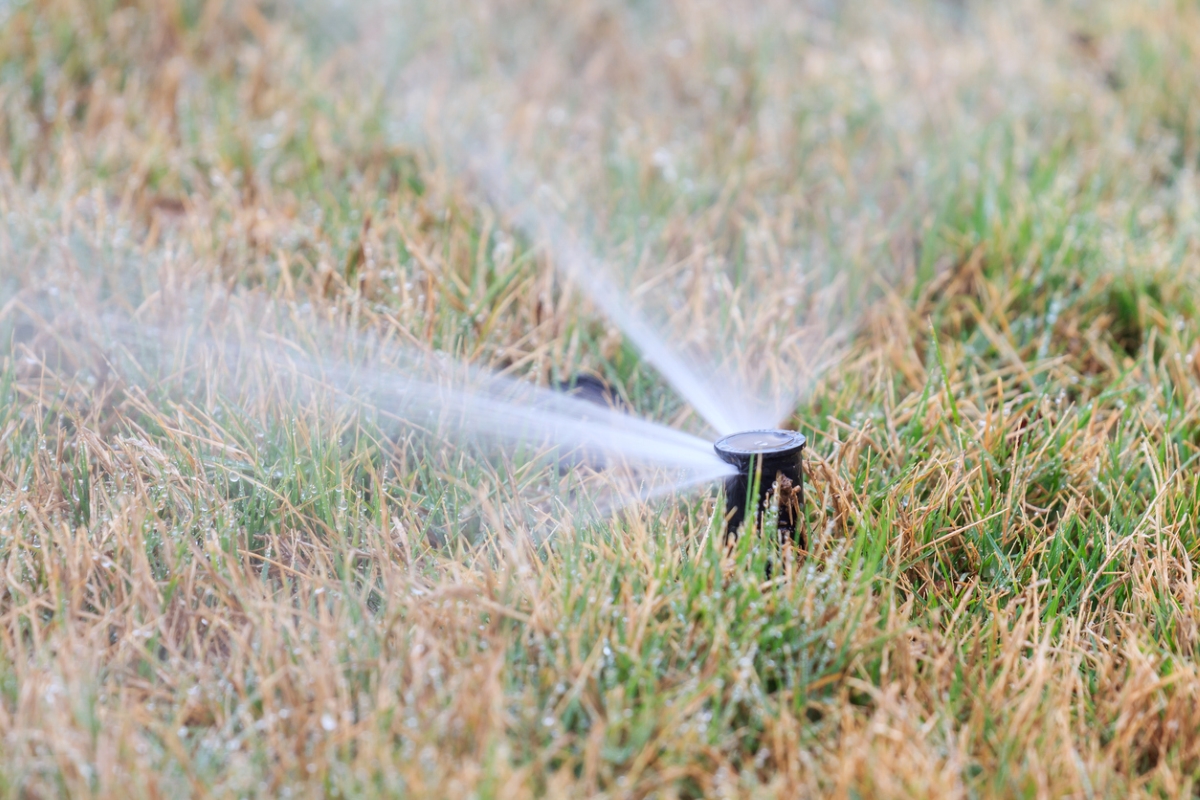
x=775 y=458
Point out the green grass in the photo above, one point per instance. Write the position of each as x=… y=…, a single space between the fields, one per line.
x=220 y=583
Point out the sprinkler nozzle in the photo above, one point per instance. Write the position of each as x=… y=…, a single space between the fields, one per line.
x=777 y=454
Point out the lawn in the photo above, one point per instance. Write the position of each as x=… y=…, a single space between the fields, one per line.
x=234 y=565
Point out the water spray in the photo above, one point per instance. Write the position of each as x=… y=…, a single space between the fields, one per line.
x=771 y=461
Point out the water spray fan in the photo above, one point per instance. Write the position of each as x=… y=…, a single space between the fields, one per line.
x=770 y=466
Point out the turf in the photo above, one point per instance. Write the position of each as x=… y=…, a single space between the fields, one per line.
x=208 y=590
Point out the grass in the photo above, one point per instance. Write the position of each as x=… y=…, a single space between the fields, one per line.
x=219 y=585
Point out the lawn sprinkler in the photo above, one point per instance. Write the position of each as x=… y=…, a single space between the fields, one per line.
x=772 y=459
x=585 y=386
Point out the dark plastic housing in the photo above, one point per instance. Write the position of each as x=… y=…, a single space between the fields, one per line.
x=585 y=386
x=779 y=455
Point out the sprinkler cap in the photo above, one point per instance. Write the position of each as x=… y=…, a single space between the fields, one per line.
x=738 y=448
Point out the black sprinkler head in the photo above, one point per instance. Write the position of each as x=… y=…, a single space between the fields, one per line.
x=778 y=455
x=585 y=386
x=595 y=390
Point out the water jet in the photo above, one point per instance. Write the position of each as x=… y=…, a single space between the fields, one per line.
x=771 y=461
